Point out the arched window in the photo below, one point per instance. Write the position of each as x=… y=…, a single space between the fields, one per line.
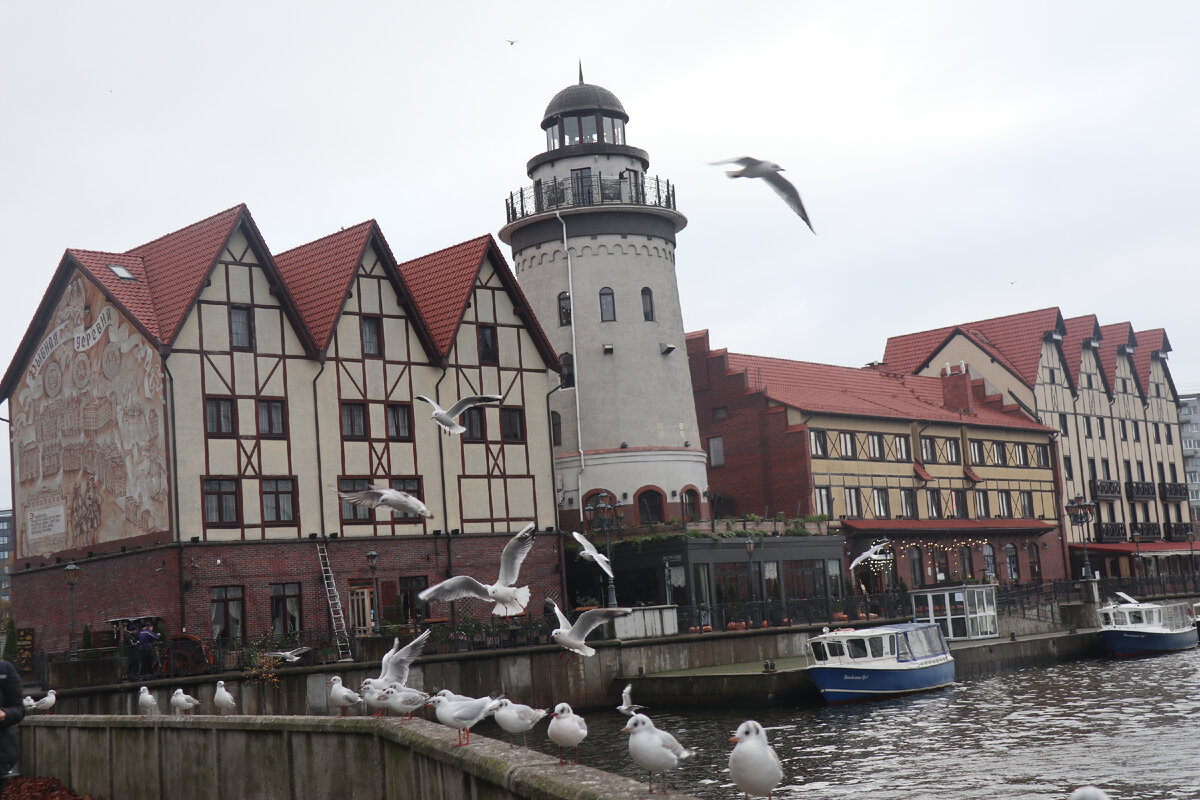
x=691 y=502
x=564 y=309
x=989 y=561
x=608 y=305
x=968 y=566
x=556 y=429
x=647 y=304
x=567 y=376
x=1010 y=555
x=916 y=567
x=650 y=506
x=1035 y=563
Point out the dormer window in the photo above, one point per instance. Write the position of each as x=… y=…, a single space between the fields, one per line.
x=121 y=272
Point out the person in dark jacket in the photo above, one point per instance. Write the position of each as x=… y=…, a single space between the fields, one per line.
x=12 y=711
x=146 y=639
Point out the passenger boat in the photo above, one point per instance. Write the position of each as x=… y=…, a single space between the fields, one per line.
x=872 y=663
x=1131 y=628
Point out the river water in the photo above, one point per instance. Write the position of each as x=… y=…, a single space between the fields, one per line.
x=1131 y=727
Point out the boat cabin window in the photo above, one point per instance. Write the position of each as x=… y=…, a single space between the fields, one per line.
x=1136 y=618
x=818 y=651
x=1118 y=617
x=1105 y=618
x=857 y=648
x=876 y=645
x=836 y=649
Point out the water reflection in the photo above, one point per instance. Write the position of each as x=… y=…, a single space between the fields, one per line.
x=1129 y=726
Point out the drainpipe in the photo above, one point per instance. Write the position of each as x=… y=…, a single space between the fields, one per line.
x=562 y=562
x=575 y=362
x=437 y=396
x=317 y=433
x=175 y=491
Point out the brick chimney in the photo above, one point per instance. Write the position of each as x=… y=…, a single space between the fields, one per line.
x=957 y=395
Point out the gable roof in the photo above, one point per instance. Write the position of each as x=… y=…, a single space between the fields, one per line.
x=1152 y=345
x=441 y=284
x=1017 y=338
x=1115 y=337
x=1079 y=331
x=850 y=391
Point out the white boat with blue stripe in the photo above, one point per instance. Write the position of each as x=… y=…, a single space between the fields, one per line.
x=1140 y=629
x=850 y=665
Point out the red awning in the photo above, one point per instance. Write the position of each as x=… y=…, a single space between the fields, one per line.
x=1133 y=548
x=922 y=473
x=970 y=475
x=999 y=526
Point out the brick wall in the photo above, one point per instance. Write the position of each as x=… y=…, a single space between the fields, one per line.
x=152 y=580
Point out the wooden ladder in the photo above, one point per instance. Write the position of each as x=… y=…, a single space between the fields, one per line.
x=340 y=634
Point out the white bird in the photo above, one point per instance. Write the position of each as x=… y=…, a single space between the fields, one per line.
x=571 y=636
x=290 y=656
x=628 y=707
x=653 y=750
x=509 y=599
x=380 y=495
x=449 y=695
x=753 y=764
x=518 y=718
x=590 y=553
x=222 y=699
x=404 y=700
x=182 y=703
x=340 y=697
x=395 y=665
x=448 y=418
x=567 y=729
x=870 y=554
x=146 y=702
x=373 y=698
x=463 y=714
x=46 y=703
x=769 y=171
x=28 y=702
x=1089 y=793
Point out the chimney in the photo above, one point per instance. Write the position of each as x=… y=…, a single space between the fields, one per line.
x=956 y=390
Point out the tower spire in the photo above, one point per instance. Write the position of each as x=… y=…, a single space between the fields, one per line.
x=581 y=72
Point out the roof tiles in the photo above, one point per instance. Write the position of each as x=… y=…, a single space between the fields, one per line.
x=441 y=283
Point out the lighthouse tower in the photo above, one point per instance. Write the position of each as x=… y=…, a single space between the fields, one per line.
x=593 y=246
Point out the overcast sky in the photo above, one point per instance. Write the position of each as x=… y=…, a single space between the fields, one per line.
x=958 y=160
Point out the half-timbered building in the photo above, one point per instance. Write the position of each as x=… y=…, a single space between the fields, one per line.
x=184 y=414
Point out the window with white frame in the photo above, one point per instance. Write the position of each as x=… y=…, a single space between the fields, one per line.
x=953 y=451
x=853 y=502
x=880 y=503
x=903 y=452
x=817 y=444
x=823 y=501
x=933 y=503
x=847 y=447
x=875 y=445
x=1004 y=504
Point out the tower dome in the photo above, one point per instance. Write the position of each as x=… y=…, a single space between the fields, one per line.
x=583 y=97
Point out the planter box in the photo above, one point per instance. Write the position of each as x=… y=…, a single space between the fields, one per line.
x=647 y=622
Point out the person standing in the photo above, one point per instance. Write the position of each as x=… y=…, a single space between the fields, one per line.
x=146 y=639
x=12 y=711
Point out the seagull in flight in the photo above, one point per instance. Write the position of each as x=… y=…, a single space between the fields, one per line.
x=509 y=599
x=870 y=554
x=571 y=636
x=291 y=656
x=395 y=664
x=448 y=418
x=628 y=707
x=592 y=554
x=380 y=495
x=769 y=171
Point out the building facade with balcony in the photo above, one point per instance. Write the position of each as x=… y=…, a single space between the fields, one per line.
x=184 y=413
x=1189 y=424
x=1108 y=393
x=961 y=483
x=593 y=246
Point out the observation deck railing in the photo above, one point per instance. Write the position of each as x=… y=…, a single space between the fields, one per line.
x=622 y=189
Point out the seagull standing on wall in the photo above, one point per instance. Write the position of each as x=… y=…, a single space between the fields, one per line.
x=769 y=171
x=652 y=749
x=509 y=599
x=380 y=495
x=146 y=702
x=448 y=418
x=753 y=764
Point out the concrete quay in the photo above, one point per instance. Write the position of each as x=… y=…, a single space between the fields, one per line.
x=748 y=684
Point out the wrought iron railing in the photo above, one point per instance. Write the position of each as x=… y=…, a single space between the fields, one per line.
x=625 y=188
x=1173 y=492
x=1177 y=531
x=1145 y=531
x=1110 y=531
x=1139 y=490
x=1107 y=490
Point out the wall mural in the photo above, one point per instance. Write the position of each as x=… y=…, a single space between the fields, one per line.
x=87 y=431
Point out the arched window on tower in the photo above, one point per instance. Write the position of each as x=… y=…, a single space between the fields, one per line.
x=647 y=304
x=564 y=309
x=556 y=429
x=567 y=377
x=608 y=305
x=650 y=506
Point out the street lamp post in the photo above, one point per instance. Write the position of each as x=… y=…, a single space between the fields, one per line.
x=750 y=567
x=372 y=563
x=1192 y=556
x=607 y=517
x=1080 y=512
x=72 y=578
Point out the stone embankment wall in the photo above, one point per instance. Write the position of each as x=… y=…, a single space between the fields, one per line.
x=296 y=758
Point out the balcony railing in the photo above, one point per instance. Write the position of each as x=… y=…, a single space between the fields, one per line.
x=1110 y=531
x=1139 y=490
x=1145 y=532
x=1105 y=490
x=1173 y=492
x=623 y=189
x=1177 y=531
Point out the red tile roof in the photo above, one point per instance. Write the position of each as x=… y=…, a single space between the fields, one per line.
x=319 y=274
x=829 y=389
x=1079 y=330
x=1113 y=338
x=131 y=295
x=1149 y=342
x=441 y=283
x=1016 y=338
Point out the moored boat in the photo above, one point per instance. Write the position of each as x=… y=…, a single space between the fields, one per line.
x=1131 y=628
x=872 y=663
